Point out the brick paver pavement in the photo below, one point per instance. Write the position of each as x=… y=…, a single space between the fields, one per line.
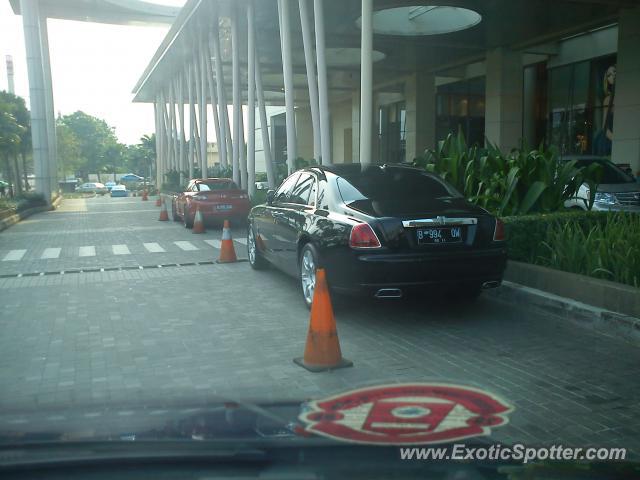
x=177 y=334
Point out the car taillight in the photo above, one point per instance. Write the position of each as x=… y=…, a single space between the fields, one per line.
x=498 y=233
x=363 y=236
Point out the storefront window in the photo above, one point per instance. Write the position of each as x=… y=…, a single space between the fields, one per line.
x=461 y=105
x=392 y=132
x=581 y=107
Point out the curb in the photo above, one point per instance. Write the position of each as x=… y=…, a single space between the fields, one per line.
x=17 y=217
x=603 y=321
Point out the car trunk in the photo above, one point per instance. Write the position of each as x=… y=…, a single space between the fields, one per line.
x=426 y=224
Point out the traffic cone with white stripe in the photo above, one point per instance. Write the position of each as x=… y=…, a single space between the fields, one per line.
x=198 y=222
x=164 y=216
x=227 y=251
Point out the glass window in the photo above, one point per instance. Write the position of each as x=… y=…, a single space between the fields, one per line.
x=207 y=187
x=302 y=191
x=282 y=194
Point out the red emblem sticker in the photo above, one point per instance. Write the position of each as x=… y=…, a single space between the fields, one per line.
x=406 y=414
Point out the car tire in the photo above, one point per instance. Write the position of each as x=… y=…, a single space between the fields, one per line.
x=256 y=260
x=174 y=213
x=186 y=220
x=307 y=266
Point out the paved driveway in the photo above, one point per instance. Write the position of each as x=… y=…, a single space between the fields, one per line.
x=117 y=335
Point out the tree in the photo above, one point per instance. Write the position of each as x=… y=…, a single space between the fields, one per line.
x=14 y=131
x=141 y=157
x=96 y=139
x=70 y=159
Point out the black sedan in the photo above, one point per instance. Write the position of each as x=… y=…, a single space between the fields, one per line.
x=381 y=230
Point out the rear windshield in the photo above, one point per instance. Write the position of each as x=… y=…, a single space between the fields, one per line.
x=393 y=185
x=207 y=187
x=610 y=172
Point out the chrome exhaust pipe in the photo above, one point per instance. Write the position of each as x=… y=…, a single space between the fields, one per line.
x=389 y=293
x=491 y=284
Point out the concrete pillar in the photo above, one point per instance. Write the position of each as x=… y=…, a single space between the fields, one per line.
x=192 y=120
x=355 y=125
x=420 y=101
x=49 y=106
x=323 y=90
x=31 y=25
x=264 y=127
x=175 y=142
x=222 y=98
x=214 y=105
x=626 y=117
x=312 y=81
x=183 y=142
x=156 y=112
x=237 y=111
x=503 y=114
x=287 y=71
x=251 y=99
x=366 y=81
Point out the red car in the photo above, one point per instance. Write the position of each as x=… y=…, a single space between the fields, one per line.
x=216 y=198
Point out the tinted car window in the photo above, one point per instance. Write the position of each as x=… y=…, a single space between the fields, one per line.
x=392 y=185
x=610 y=172
x=207 y=187
x=282 y=194
x=302 y=191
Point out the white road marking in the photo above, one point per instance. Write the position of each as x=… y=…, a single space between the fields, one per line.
x=243 y=241
x=89 y=251
x=154 y=247
x=14 y=255
x=51 y=253
x=214 y=243
x=120 y=250
x=187 y=246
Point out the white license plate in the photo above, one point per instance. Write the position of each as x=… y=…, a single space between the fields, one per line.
x=439 y=235
x=224 y=207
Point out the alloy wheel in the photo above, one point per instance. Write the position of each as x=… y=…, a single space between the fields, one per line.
x=308 y=275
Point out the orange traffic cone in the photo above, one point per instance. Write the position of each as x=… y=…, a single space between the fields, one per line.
x=158 y=201
x=322 y=351
x=145 y=196
x=227 y=252
x=198 y=223
x=164 y=216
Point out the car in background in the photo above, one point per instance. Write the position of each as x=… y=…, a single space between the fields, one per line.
x=131 y=177
x=617 y=191
x=262 y=185
x=92 y=187
x=119 y=191
x=216 y=198
x=110 y=185
x=382 y=231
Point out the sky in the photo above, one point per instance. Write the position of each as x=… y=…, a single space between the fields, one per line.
x=94 y=67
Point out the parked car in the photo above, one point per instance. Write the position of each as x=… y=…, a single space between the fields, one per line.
x=110 y=185
x=131 y=177
x=617 y=191
x=262 y=185
x=216 y=198
x=382 y=231
x=119 y=191
x=92 y=187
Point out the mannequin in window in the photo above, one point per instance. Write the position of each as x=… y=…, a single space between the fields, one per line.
x=603 y=139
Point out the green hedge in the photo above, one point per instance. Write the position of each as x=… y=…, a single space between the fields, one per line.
x=598 y=244
x=22 y=202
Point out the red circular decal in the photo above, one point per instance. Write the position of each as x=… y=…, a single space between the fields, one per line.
x=406 y=414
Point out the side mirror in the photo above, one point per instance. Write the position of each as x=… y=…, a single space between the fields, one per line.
x=271 y=194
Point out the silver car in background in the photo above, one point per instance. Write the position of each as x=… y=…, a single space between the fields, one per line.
x=618 y=191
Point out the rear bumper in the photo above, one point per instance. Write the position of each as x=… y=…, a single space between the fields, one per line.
x=366 y=273
x=211 y=211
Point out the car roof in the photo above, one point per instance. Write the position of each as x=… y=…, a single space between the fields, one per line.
x=119 y=187
x=349 y=169
x=212 y=180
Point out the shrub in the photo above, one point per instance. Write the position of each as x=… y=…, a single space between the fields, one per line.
x=598 y=244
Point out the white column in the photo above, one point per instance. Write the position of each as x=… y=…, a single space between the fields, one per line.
x=52 y=141
x=174 y=127
x=243 y=155
x=222 y=97
x=366 y=81
x=264 y=127
x=312 y=81
x=214 y=102
x=167 y=129
x=201 y=79
x=31 y=26
x=181 y=127
x=156 y=111
x=192 y=119
x=323 y=92
x=287 y=71
x=251 y=99
x=235 y=65
x=626 y=118
x=503 y=96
